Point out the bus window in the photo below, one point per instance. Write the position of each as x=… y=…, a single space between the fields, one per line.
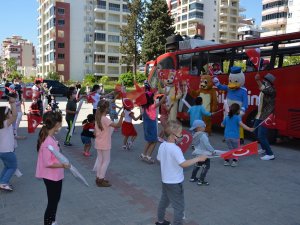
x=166 y=63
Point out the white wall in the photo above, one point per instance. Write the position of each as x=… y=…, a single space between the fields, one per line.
x=293 y=23
x=77 y=24
x=210 y=19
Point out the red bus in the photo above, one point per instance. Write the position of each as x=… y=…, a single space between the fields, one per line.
x=282 y=53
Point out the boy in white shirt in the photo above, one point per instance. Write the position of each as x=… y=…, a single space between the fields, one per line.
x=172 y=163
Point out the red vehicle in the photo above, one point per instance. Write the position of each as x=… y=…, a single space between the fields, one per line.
x=282 y=53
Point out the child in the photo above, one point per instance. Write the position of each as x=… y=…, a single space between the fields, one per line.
x=70 y=115
x=172 y=163
x=164 y=114
x=7 y=155
x=197 y=111
x=34 y=107
x=232 y=123
x=103 y=132
x=88 y=133
x=96 y=97
x=202 y=147
x=113 y=114
x=150 y=126
x=127 y=126
x=48 y=167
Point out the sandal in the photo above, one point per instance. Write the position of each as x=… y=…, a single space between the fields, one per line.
x=5 y=187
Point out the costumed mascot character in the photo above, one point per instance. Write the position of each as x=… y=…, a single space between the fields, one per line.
x=236 y=92
x=173 y=96
x=209 y=99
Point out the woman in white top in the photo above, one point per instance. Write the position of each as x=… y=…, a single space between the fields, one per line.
x=7 y=155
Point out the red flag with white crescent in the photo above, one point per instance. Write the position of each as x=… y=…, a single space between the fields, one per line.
x=254 y=56
x=89 y=97
x=187 y=139
x=33 y=122
x=272 y=122
x=246 y=150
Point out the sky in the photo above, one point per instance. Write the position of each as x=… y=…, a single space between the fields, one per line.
x=19 y=17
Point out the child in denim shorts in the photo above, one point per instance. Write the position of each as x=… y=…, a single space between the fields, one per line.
x=88 y=133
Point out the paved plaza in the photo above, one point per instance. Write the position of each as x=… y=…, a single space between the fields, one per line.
x=254 y=193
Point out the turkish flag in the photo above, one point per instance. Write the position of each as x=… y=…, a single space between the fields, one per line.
x=33 y=122
x=271 y=122
x=186 y=141
x=1 y=93
x=89 y=97
x=254 y=56
x=246 y=150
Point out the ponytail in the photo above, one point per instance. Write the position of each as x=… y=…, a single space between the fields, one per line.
x=42 y=136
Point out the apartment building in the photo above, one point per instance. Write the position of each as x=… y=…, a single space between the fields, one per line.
x=248 y=30
x=280 y=17
x=79 y=38
x=213 y=20
x=21 y=50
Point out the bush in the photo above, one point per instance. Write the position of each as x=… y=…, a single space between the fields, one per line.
x=140 y=77
x=89 y=80
x=126 y=79
x=104 y=80
x=53 y=76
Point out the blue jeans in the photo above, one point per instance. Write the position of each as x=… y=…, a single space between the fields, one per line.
x=10 y=165
x=232 y=143
x=262 y=135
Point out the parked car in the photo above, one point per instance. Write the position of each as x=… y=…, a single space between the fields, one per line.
x=58 y=89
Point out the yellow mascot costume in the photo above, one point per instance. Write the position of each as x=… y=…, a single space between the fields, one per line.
x=209 y=98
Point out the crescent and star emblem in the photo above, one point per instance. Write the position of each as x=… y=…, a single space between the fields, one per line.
x=241 y=152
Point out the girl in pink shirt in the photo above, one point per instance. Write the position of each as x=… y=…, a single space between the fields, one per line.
x=103 y=132
x=48 y=167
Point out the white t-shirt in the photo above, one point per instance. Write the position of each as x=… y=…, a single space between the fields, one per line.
x=96 y=98
x=127 y=117
x=7 y=139
x=170 y=157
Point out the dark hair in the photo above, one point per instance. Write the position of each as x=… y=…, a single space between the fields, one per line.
x=234 y=110
x=38 y=82
x=2 y=116
x=150 y=99
x=78 y=86
x=95 y=87
x=198 y=101
x=90 y=118
x=50 y=119
x=102 y=106
x=69 y=93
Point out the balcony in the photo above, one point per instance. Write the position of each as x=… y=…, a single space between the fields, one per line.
x=272 y=33
x=279 y=22
x=274 y=10
x=100 y=8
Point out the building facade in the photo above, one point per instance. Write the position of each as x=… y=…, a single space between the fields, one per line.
x=280 y=17
x=80 y=38
x=213 y=20
x=20 y=49
x=248 y=30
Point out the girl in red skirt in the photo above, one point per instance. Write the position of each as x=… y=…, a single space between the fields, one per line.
x=128 y=129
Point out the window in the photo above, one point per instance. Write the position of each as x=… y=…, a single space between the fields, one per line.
x=113 y=59
x=52 y=45
x=99 y=58
x=184 y=17
x=113 y=38
x=60 y=22
x=196 y=5
x=61 y=34
x=101 y=4
x=196 y=14
x=61 y=45
x=60 y=67
x=60 y=11
x=52 y=11
x=52 y=56
x=99 y=37
x=274 y=16
x=60 y=56
x=125 y=8
x=52 y=22
x=114 y=7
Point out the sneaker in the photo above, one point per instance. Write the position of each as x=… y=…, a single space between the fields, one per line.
x=18 y=173
x=226 y=163
x=261 y=151
x=67 y=144
x=6 y=187
x=203 y=183
x=150 y=160
x=267 y=157
x=129 y=145
x=142 y=157
x=193 y=179
x=102 y=183
x=163 y=223
x=124 y=147
x=234 y=163
x=87 y=154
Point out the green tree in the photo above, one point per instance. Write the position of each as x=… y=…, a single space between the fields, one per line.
x=11 y=65
x=104 y=79
x=132 y=34
x=157 y=27
x=53 y=76
x=140 y=77
x=89 y=80
x=291 y=60
x=126 y=79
